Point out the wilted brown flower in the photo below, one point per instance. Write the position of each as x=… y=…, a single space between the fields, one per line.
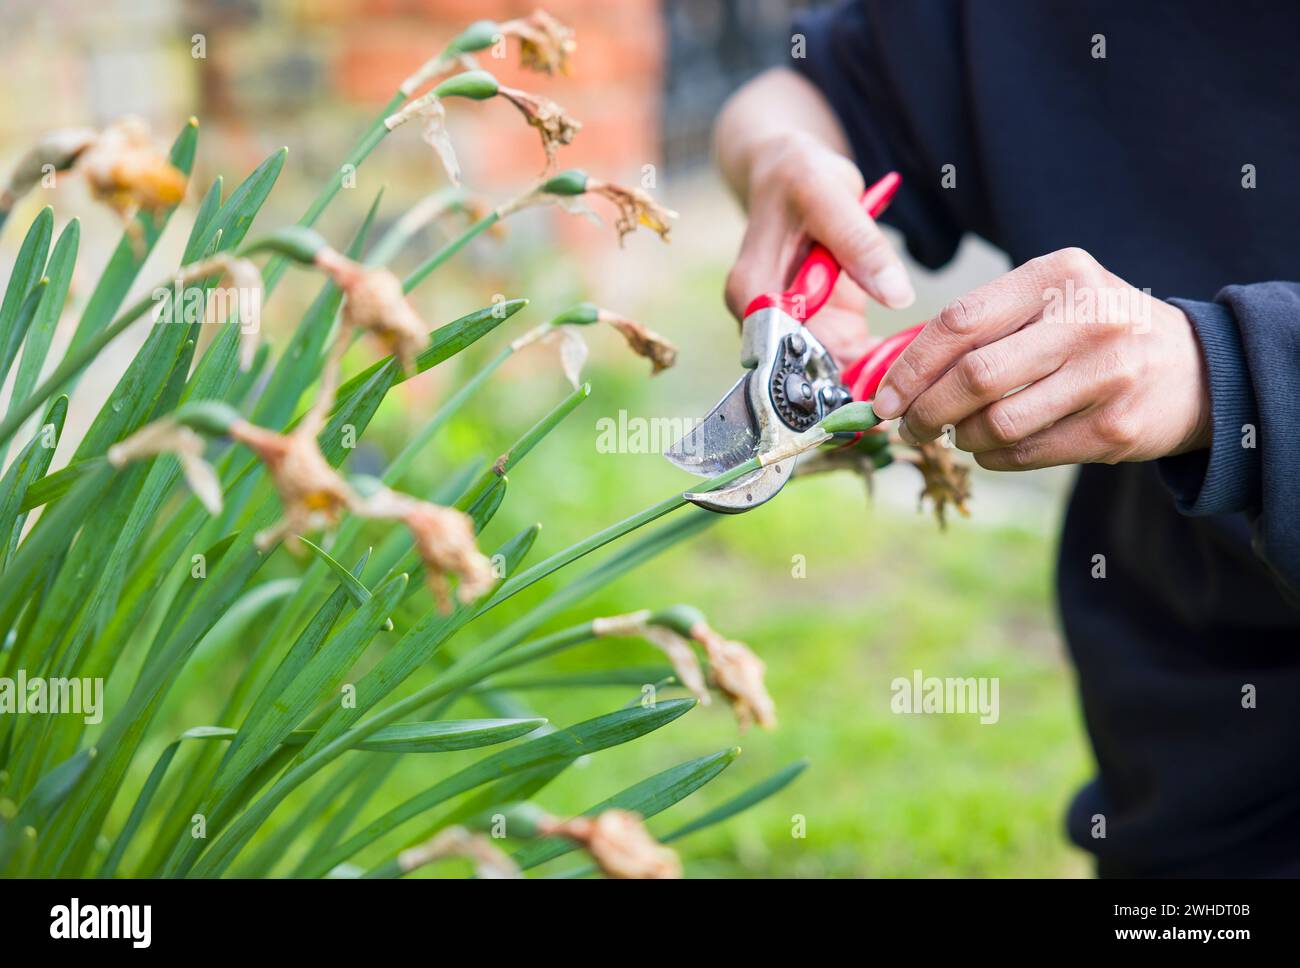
x=129 y=172
x=686 y=666
x=643 y=341
x=555 y=126
x=444 y=538
x=738 y=673
x=168 y=437
x=545 y=44
x=375 y=303
x=635 y=207
x=490 y=862
x=55 y=151
x=619 y=844
x=313 y=495
x=945 y=479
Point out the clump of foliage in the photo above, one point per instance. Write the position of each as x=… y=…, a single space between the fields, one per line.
x=150 y=542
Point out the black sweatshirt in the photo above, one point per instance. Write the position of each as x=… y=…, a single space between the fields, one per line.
x=1173 y=160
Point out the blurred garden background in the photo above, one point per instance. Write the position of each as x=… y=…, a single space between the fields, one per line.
x=840 y=595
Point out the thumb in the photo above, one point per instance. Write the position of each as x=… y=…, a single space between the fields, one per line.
x=859 y=245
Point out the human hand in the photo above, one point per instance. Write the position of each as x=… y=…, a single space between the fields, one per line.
x=801 y=188
x=1107 y=373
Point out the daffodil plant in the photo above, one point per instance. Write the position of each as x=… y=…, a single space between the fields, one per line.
x=146 y=543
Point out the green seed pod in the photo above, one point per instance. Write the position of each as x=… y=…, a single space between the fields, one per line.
x=680 y=618
x=210 y=417
x=572 y=181
x=850 y=418
x=476 y=85
x=479 y=35
x=583 y=314
x=295 y=241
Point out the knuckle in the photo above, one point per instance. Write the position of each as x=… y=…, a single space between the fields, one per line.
x=922 y=420
x=960 y=318
x=1019 y=457
x=981 y=372
x=903 y=371
x=1002 y=425
x=1075 y=261
x=1116 y=427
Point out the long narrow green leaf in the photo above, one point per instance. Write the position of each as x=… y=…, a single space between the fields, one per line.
x=442 y=736
x=41 y=331
x=756 y=794
x=28 y=270
x=27 y=467
x=45 y=797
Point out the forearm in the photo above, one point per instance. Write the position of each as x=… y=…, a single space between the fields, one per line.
x=778 y=105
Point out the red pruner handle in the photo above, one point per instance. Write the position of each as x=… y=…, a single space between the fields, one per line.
x=815 y=279
x=863 y=376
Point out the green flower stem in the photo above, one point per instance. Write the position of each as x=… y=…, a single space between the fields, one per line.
x=615 y=531
x=218 y=857
x=422 y=271
x=369 y=141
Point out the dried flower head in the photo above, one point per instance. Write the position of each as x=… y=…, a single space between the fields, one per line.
x=738 y=673
x=375 y=303
x=55 y=151
x=444 y=539
x=686 y=666
x=490 y=862
x=564 y=331
x=129 y=172
x=635 y=207
x=619 y=843
x=313 y=495
x=552 y=123
x=166 y=436
x=945 y=479
x=545 y=44
x=643 y=341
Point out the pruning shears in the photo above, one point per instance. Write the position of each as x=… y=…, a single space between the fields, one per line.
x=792 y=384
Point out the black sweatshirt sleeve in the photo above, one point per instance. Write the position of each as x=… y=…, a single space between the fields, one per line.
x=1251 y=339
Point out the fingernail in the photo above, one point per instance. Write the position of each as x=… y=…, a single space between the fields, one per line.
x=887 y=403
x=894 y=286
x=905 y=432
